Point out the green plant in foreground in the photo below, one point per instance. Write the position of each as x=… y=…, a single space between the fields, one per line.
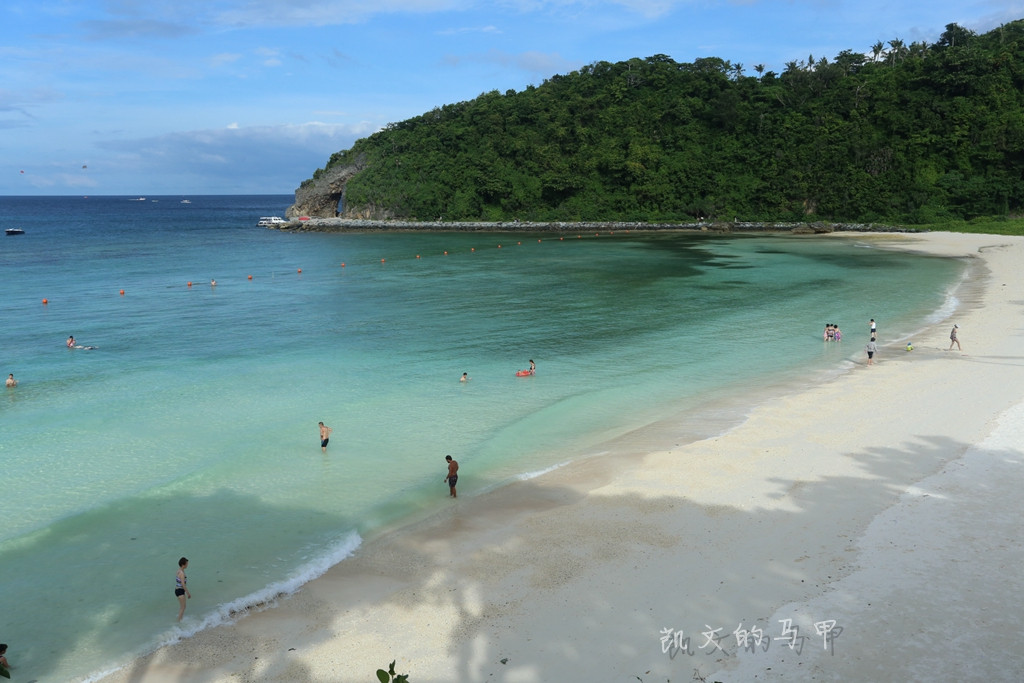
x=390 y=676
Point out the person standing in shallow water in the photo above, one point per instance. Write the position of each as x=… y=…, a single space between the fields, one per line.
x=325 y=436
x=453 y=475
x=181 y=586
x=871 y=347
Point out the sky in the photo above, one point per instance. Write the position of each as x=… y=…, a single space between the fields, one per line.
x=190 y=97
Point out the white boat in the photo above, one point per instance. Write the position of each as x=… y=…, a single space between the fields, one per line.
x=185 y=201
x=14 y=231
x=270 y=221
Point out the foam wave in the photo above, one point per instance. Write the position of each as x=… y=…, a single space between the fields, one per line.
x=267 y=596
x=947 y=309
x=526 y=476
x=256 y=601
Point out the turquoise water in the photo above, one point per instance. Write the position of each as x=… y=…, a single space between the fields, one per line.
x=192 y=428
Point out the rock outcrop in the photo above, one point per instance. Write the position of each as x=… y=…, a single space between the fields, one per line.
x=321 y=196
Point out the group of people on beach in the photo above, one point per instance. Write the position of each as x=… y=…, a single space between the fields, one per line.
x=872 y=346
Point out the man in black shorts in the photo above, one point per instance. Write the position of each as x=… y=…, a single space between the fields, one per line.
x=325 y=436
x=453 y=474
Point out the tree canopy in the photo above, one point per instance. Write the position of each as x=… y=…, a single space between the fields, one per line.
x=905 y=133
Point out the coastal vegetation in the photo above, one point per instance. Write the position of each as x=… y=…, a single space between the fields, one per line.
x=921 y=134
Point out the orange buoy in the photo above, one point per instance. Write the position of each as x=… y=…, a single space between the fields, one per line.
x=519 y=243
x=597 y=234
x=446 y=253
x=189 y=284
x=472 y=248
x=122 y=292
x=417 y=255
x=46 y=301
x=579 y=237
x=250 y=277
x=538 y=240
x=499 y=246
x=342 y=264
x=382 y=260
x=300 y=270
x=561 y=239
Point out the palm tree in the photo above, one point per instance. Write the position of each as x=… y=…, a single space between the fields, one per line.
x=876 y=50
x=897 y=51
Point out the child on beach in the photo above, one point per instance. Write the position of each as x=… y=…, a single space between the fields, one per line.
x=181 y=586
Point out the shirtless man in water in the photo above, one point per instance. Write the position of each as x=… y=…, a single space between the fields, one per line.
x=325 y=436
x=453 y=474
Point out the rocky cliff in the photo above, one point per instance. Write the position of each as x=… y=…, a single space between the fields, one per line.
x=321 y=196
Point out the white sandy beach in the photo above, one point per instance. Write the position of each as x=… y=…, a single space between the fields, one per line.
x=885 y=500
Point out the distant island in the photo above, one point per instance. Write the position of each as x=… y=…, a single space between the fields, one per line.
x=901 y=134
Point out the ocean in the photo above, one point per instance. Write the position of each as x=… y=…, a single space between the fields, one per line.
x=191 y=428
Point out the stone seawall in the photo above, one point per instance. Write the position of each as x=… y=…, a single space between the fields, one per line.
x=357 y=225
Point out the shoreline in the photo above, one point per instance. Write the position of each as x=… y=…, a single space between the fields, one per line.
x=578 y=571
x=319 y=224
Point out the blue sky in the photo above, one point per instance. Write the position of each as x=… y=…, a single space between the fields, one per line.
x=148 y=97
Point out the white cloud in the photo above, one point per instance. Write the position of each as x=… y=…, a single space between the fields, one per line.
x=231 y=159
x=531 y=61
x=248 y=13
x=468 y=29
x=223 y=58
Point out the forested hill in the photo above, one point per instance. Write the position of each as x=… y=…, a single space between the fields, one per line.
x=902 y=133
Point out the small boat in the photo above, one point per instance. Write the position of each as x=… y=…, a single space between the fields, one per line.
x=14 y=231
x=140 y=199
x=185 y=201
x=270 y=221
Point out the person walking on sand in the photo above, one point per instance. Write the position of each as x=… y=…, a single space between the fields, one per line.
x=953 y=339
x=871 y=347
x=325 y=436
x=11 y=382
x=181 y=586
x=453 y=475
